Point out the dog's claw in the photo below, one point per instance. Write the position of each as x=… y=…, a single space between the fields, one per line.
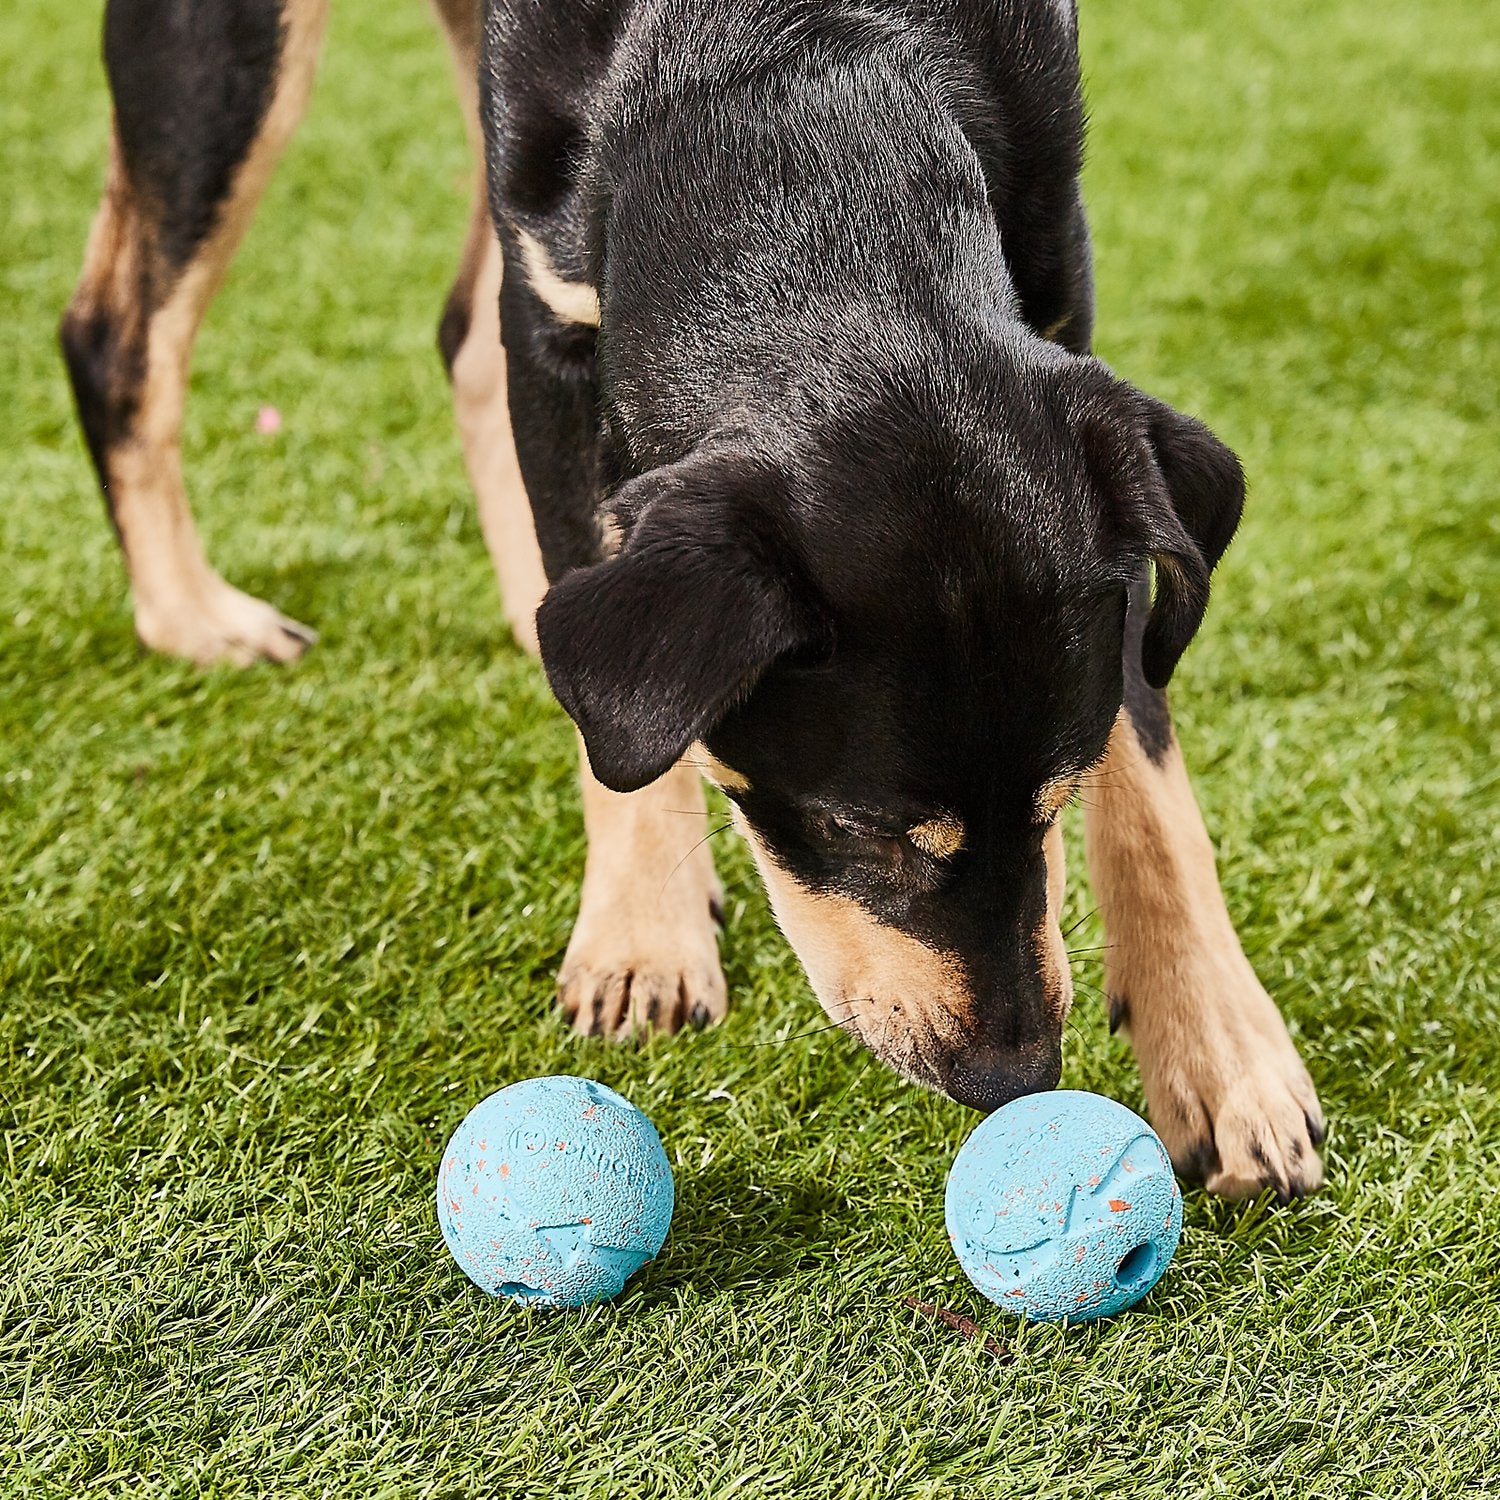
x=596 y=1017
x=624 y=1004
x=207 y=620
x=298 y=631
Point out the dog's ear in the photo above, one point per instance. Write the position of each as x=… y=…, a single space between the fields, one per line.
x=1176 y=493
x=648 y=650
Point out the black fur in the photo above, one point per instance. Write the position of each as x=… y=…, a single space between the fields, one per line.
x=878 y=533
x=554 y=413
x=106 y=362
x=704 y=550
x=191 y=84
x=1149 y=715
x=453 y=326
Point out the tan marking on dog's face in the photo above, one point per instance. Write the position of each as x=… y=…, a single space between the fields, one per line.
x=942 y=838
x=569 y=301
x=899 y=996
x=1055 y=795
x=1226 y=1089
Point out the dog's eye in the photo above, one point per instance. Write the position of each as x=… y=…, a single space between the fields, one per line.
x=855 y=834
x=846 y=827
x=881 y=852
x=893 y=850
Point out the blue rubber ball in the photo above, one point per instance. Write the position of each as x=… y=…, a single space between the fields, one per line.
x=554 y=1192
x=1064 y=1205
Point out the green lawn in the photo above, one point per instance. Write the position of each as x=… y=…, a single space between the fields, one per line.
x=266 y=937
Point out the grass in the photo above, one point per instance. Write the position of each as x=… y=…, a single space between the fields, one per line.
x=265 y=937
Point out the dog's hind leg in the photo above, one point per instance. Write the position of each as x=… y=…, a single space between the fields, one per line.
x=1226 y=1089
x=205 y=98
x=469 y=339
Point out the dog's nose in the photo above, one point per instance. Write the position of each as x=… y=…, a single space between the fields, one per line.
x=985 y=1077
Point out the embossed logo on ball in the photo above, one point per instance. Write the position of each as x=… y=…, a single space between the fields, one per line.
x=554 y=1191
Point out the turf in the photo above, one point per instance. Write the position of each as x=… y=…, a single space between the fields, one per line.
x=265 y=937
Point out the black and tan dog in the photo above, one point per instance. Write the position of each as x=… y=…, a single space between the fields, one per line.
x=834 y=504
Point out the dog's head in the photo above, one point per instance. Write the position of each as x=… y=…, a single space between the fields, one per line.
x=899 y=639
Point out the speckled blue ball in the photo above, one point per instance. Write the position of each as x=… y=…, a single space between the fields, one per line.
x=554 y=1192
x=1064 y=1205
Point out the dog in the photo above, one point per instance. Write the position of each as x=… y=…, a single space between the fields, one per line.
x=770 y=355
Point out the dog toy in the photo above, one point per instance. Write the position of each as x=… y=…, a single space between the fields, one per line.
x=554 y=1192
x=1063 y=1205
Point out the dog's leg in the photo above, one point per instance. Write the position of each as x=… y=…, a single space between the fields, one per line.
x=1225 y=1087
x=206 y=96
x=469 y=338
x=644 y=951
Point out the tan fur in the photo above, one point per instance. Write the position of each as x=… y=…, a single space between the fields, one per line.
x=898 y=995
x=1218 y=1066
x=480 y=399
x=1050 y=943
x=462 y=20
x=1051 y=331
x=644 y=950
x=569 y=301
x=942 y=838
x=481 y=405
x=904 y=1000
x=182 y=606
x=117 y=260
x=726 y=778
x=1054 y=796
x=611 y=533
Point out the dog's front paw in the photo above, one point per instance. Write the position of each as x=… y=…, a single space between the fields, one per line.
x=619 y=999
x=616 y=981
x=208 y=621
x=1225 y=1088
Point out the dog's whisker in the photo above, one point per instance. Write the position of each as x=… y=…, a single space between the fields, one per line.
x=799 y=1036
x=1075 y=1029
x=1073 y=927
x=1092 y=988
x=723 y=827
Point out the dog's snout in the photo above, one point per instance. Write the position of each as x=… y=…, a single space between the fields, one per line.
x=985 y=1077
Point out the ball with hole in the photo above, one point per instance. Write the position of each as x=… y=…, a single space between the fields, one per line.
x=554 y=1192
x=1063 y=1205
